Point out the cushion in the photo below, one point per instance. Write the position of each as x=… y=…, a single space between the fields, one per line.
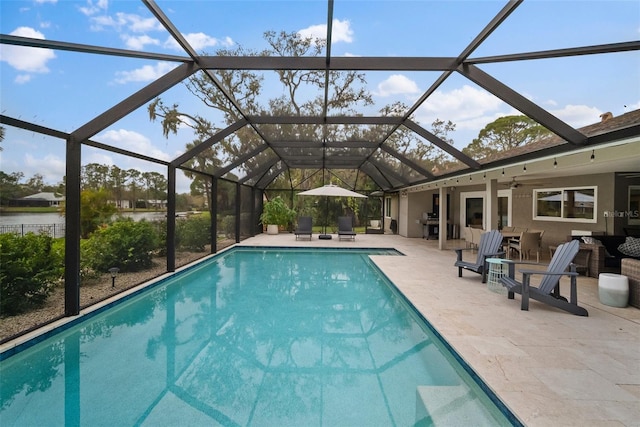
x=592 y=241
x=631 y=247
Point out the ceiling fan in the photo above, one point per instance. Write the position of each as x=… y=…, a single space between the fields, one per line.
x=516 y=184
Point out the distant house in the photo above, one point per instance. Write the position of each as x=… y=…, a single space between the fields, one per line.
x=121 y=204
x=39 y=200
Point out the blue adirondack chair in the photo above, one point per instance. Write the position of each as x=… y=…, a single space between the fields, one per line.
x=489 y=247
x=548 y=291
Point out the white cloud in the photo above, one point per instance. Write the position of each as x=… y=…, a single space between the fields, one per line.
x=94 y=7
x=460 y=105
x=199 y=42
x=341 y=31
x=132 y=141
x=578 y=115
x=138 y=43
x=146 y=73
x=125 y=21
x=397 y=84
x=28 y=59
x=22 y=78
x=51 y=167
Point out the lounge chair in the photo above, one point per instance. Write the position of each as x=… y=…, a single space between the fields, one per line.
x=345 y=229
x=489 y=246
x=548 y=291
x=305 y=227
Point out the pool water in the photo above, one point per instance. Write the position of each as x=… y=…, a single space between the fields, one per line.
x=251 y=337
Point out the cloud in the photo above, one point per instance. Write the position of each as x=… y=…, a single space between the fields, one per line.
x=146 y=73
x=132 y=141
x=341 y=31
x=139 y=42
x=397 y=84
x=51 y=167
x=459 y=105
x=28 y=59
x=94 y=7
x=22 y=78
x=125 y=21
x=199 y=42
x=577 y=115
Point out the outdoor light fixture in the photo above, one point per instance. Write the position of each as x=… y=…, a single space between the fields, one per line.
x=524 y=169
x=484 y=176
x=114 y=272
x=593 y=155
x=555 y=163
x=502 y=171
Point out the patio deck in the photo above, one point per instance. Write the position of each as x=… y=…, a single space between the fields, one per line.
x=550 y=367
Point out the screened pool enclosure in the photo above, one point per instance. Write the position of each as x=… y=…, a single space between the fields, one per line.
x=285 y=110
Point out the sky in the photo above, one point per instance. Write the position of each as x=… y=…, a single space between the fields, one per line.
x=64 y=90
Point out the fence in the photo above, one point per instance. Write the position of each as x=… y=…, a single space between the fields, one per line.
x=53 y=230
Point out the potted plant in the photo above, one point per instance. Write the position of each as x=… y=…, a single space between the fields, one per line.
x=276 y=214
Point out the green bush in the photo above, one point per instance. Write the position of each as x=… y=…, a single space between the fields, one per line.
x=29 y=268
x=228 y=226
x=125 y=244
x=193 y=233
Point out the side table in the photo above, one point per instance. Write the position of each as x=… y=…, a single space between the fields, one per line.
x=496 y=270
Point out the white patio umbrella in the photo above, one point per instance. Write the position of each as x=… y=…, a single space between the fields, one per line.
x=329 y=190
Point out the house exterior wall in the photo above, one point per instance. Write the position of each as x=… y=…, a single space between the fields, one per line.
x=411 y=208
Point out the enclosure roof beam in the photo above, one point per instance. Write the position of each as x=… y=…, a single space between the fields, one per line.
x=522 y=104
x=133 y=102
x=240 y=160
x=229 y=130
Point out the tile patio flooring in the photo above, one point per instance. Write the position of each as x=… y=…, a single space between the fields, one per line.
x=549 y=367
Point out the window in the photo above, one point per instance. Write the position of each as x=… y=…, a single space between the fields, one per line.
x=633 y=214
x=565 y=204
x=387 y=207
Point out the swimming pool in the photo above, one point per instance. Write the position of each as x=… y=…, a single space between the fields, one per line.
x=251 y=337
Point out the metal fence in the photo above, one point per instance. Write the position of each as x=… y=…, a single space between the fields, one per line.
x=53 y=230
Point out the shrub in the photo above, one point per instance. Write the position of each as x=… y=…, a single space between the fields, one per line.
x=228 y=225
x=193 y=233
x=125 y=244
x=29 y=268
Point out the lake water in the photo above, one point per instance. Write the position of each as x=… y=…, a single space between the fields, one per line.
x=55 y=218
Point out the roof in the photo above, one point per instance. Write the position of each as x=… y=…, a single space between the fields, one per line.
x=51 y=197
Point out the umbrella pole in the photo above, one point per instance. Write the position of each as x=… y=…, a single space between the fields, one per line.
x=324 y=235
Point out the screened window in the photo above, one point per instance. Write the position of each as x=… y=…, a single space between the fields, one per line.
x=565 y=204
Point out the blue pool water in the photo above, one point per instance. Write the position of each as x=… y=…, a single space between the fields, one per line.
x=250 y=337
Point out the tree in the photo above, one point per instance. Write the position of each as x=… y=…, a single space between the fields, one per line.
x=95 y=210
x=35 y=184
x=117 y=181
x=10 y=186
x=347 y=89
x=504 y=134
x=134 y=182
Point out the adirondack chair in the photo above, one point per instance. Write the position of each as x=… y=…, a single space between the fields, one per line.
x=305 y=227
x=489 y=247
x=548 y=291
